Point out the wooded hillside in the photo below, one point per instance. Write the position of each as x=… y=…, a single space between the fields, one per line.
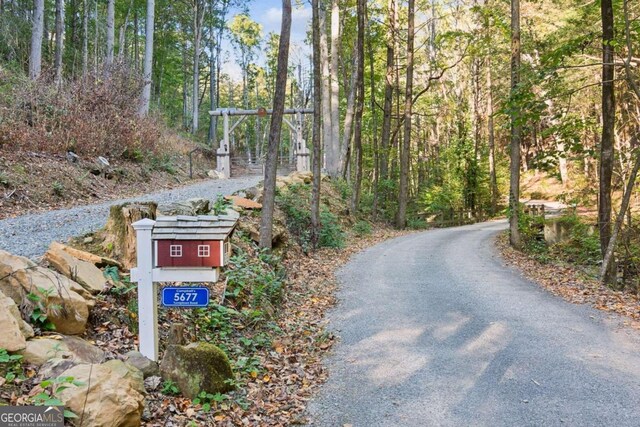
x=424 y=105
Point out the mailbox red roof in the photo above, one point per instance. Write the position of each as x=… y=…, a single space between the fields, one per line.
x=201 y=227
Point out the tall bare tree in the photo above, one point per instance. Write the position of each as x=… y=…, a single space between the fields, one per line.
x=59 y=40
x=326 y=91
x=335 y=89
x=148 y=58
x=271 y=163
x=317 y=121
x=385 y=137
x=357 y=133
x=37 y=31
x=85 y=38
x=516 y=128
x=403 y=195
x=199 y=7
x=111 y=18
x=608 y=129
x=493 y=182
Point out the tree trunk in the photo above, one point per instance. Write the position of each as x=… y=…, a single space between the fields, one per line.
x=348 y=118
x=96 y=33
x=111 y=12
x=385 y=137
x=608 y=127
x=491 y=140
x=335 y=88
x=401 y=217
x=148 y=59
x=59 y=40
x=85 y=38
x=516 y=128
x=357 y=134
x=123 y=33
x=271 y=163
x=607 y=276
x=119 y=233
x=198 y=18
x=330 y=162
x=374 y=120
x=315 y=138
x=37 y=32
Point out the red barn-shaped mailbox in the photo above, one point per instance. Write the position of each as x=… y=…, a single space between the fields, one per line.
x=192 y=241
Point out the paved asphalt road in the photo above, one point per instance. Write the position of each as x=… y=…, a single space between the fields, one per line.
x=30 y=235
x=436 y=331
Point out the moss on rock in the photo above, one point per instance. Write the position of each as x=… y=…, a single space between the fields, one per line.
x=197 y=367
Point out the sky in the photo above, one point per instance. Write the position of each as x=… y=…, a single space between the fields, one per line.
x=268 y=13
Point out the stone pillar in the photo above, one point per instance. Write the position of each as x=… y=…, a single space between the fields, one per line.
x=302 y=152
x=224 y=159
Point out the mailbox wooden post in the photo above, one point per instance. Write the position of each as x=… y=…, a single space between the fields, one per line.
x=176 y=249
x=147 y=290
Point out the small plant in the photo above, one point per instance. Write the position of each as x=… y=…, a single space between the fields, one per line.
x=221 y=205
x=58 y=188
x=163 y=163
x=169 y=388
x=208 y=400
x=39 y=312
x=4 y=180
x=362 y=228
x=10 y=365
x=50 y=394
x=122 y=285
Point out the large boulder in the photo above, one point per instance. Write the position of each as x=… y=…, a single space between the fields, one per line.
x=191 y=207
x=15 y=331
x=40 y=350
x=112 y=395
x=197 y=367
x=84 y=273
x=97 y=260
x=67 y=304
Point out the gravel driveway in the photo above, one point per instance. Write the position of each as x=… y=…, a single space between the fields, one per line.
x=436 y=331
x=30 y=235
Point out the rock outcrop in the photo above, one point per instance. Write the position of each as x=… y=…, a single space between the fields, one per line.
x=112 y=395
x=84 y=273
x=15 y=331
x=40 y=350
x=66 y=303
x=197 y=367
x=191 y=207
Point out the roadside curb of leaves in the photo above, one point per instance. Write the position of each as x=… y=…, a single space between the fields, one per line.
x=571 y=284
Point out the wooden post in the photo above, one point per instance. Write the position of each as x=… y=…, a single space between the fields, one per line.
x=147 y=291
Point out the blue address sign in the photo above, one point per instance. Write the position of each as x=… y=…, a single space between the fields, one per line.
x=185 y=297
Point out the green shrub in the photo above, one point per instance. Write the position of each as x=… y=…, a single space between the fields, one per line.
x=583 y=245
x=331 y=234
x=344 y=188
x=532 y=234
x=362 y=228
x=255 y=280
x=294 y=203
x=417 y=224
